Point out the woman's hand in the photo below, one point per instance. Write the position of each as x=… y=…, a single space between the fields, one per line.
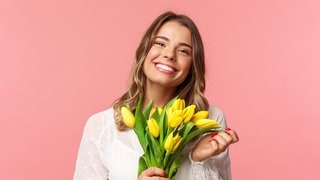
x=153 y=173
x=213 y=144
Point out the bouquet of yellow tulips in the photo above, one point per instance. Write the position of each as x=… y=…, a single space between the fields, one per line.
x=164 y=132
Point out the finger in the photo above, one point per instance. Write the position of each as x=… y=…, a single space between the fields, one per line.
x=222 y=142
x=154 y=171
x=233 y=134
x=214 y=145
x=222 y=138
x=159 y=178
x=226 y=136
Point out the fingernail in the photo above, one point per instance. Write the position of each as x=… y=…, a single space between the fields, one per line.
x=214 y=134
x=228 y=129
x=165 y=174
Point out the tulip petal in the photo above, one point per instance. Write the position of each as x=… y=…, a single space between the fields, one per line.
x=127 y=116
x=153 y=127
x=204 y=123
x=188 y=113
x=200 y=115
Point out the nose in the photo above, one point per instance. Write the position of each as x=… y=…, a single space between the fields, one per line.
x=169 y=53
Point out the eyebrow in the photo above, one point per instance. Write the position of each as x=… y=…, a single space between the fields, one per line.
x=167 y=39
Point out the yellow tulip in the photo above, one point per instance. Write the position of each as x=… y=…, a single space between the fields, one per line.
x=204 y=123
x=127 y=116
x=153 y=127
x=188 y=113
x=156 y=110
x=160 y=110
x=178 y=104
x=153 y=110
x=168 y=143
x=169 y=112
x=177 y=140
x=172 y=143
x=175 y=118
x=200 y=115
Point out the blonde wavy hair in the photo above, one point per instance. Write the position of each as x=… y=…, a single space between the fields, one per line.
x=191 y=90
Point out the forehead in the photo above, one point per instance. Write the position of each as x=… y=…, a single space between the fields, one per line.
x=175 y=31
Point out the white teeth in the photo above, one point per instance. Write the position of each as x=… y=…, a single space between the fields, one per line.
x=167 y=68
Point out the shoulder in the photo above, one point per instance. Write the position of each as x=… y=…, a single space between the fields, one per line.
x=217 y=114
x=105 y=114
x=100 y=120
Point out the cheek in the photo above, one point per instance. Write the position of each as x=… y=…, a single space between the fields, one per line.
x=153 y=52
x=186 y=65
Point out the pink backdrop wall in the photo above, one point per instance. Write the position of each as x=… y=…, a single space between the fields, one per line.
x=61 y=61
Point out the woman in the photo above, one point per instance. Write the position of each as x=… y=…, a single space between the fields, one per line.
x=169 y=62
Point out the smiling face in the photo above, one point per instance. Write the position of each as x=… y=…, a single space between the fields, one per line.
x=168 y=62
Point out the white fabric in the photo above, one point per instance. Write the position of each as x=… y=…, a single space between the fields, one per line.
x=108 y=154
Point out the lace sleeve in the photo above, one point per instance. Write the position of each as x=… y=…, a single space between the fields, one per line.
x=217 y=167
x=88 y=164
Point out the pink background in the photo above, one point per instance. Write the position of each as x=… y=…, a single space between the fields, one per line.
x=61 y=61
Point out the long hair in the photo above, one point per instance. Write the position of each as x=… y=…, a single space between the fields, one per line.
x=191 y=89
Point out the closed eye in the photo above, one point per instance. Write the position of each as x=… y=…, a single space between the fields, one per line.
x=184 y=51
x=161 y=44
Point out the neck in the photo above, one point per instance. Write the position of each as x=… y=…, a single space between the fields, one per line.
x=159 y=95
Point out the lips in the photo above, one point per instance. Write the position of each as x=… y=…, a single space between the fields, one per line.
x=165 y=68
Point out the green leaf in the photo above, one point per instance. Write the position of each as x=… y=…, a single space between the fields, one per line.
x=169 y=104
x=188 y=138
x=173 y=168
x=198 y=132
x=142 y=165
x=156 y=116
x=162 y=126
x=140 y=125
x=166 y=158
x=187 y=128
x=150 y=158
x=156 y=150
x=163 y=123
x=147 y=111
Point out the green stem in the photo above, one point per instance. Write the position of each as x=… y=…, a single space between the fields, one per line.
x=166 y=158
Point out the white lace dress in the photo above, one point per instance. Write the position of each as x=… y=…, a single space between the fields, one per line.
x=108 y=154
